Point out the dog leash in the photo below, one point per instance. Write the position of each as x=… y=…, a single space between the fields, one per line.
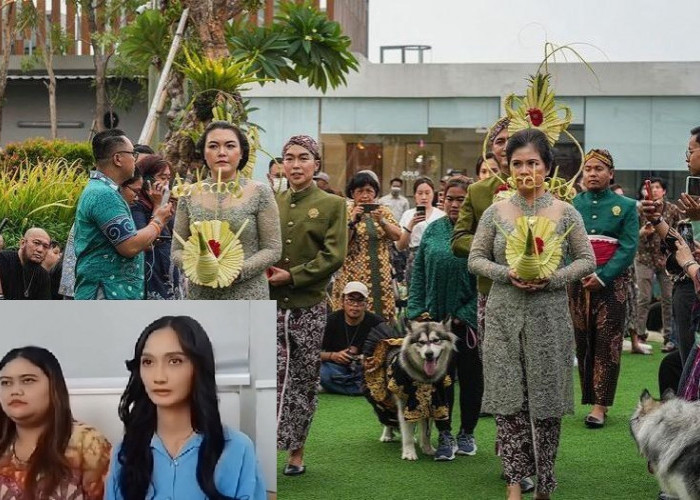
x=471 y=339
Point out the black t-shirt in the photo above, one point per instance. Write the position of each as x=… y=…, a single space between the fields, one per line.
x=16 y=279
x=339 y=335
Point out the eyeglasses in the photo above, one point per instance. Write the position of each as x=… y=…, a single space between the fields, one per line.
x=135 y=154
x=131 y=189
x=689 y=153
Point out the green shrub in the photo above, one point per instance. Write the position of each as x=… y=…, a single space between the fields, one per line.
x=40 y=149
x=43 y=193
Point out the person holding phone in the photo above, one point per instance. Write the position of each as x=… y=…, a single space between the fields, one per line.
x=684 y=297
x=371 y=228
x=161 y=283
x=650 y=262
x=108 y=247
x=415 y=220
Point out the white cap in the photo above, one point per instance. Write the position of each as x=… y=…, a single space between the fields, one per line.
x=322 y=176
x=356 y=287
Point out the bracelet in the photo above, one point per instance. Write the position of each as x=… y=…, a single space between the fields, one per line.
x=156 y=221
x=155 y=224
x=406 y=229
x=687 y=265
x=657 y=221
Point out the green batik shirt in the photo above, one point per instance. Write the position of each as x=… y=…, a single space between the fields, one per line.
x=103 y=221
x=609 y=215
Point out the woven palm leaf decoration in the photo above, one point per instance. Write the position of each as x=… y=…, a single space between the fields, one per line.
x=533 y=248
x=213 y=254
x=538 y=109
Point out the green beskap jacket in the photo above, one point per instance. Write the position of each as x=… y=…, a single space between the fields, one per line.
x=314 y=244
x=479 y=198
x=608 y=214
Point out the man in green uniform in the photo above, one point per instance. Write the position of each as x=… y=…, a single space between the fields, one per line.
x=598 y=302
x=314 y=235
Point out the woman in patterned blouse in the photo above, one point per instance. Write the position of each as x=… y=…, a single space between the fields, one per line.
x=44 y=453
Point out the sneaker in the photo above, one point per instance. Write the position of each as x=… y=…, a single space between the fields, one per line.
x=466 y=445
x=668 y=347
x=446 y=447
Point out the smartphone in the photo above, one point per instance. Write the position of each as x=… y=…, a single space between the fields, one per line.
x=369 y=207
x=685 y=229
x=420 y=210
x=692 y=185
x=3 y=224
x=166 y=196
x=647 y=188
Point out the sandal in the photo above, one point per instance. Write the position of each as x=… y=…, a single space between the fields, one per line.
x=593 y=422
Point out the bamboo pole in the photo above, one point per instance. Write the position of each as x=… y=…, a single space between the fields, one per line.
x=160 y=95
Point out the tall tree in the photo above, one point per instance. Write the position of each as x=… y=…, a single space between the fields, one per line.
x=104 y=21
x=8 y=25
x=210 y=19
x=302 y=44
x=49 y=43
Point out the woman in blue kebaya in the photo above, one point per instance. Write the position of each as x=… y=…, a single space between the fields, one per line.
x=175 y=446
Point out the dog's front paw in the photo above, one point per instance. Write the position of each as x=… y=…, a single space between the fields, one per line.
x=409 y=454
x=387 y=435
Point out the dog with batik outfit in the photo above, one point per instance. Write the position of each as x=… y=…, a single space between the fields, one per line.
x=667 y=432
x=406 y=378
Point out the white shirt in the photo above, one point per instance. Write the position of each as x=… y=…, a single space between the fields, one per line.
x=417 y=231
x=398 y=205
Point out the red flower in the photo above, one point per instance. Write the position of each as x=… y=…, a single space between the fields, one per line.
x=536 y=116
x=215 y=247
x=540 y=244
x=502 y=187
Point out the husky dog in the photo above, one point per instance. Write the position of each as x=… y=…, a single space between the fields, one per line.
x=667 y=432
x=418 y=366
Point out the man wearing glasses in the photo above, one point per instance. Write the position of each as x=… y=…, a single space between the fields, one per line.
x=343 y=339
x=108 y=249
x=21 y=275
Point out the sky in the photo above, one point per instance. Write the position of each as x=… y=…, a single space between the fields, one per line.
x=516 y=30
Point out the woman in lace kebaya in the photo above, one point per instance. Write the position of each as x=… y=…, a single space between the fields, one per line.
x=528 y=340
x=175 y=446
x=225 y=150
x=44 y=453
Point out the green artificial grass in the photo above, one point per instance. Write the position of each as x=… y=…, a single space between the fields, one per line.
x=345 y=459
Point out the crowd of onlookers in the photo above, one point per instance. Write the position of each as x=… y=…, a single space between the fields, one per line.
x=342 y=264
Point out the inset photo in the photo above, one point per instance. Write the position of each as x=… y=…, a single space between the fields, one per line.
x=117 y=400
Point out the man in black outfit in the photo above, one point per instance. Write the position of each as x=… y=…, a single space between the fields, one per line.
x=21 y=275
x=345 y=333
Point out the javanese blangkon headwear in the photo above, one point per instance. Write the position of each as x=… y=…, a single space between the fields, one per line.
x=602 y=155
x=497 y=129
x=306 y=142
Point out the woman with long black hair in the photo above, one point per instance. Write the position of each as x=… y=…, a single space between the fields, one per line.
x=44 y=453
x=175 y=445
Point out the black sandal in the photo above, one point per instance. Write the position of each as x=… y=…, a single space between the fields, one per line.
x=593 y=422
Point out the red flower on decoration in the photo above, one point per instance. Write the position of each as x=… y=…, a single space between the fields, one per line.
x=540 y=244
x=502 y=187
x=215 y=247
x=536 y=116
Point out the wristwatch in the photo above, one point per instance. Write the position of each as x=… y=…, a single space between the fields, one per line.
x=657 y=221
